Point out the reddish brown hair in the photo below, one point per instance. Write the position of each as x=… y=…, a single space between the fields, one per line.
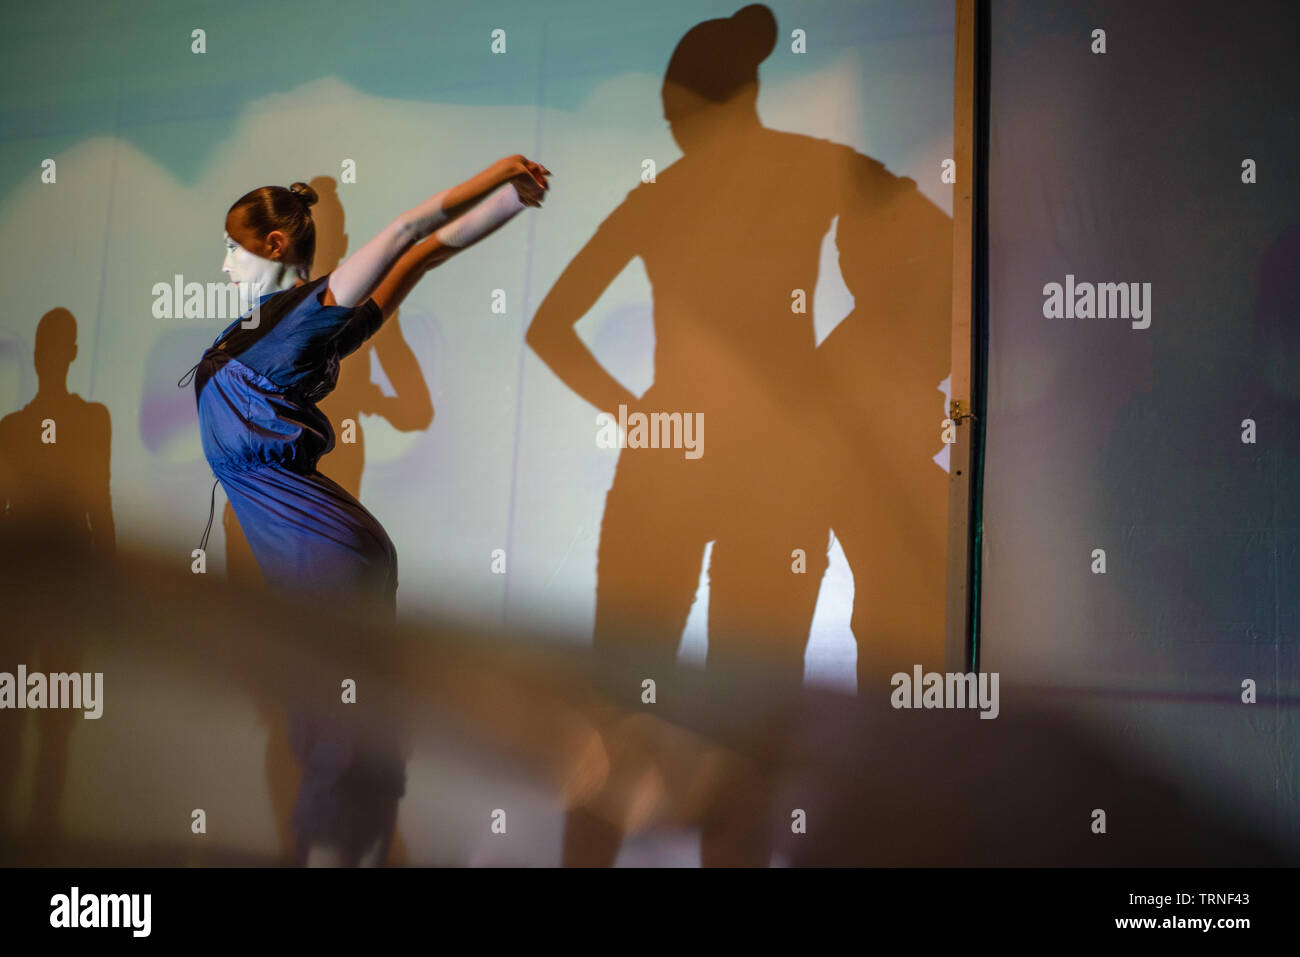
x=269 y=208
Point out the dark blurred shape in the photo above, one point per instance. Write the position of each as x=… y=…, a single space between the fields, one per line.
x=720 y=749
x=56 y=522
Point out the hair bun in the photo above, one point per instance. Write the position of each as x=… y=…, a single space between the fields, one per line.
x=756 y=25
x=306 y=192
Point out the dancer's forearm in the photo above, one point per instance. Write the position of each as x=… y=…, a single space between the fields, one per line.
x=451 y=203
x=497 y=209
x=461 y=233
x=409 y=270
x=445 y=206
x=355 y=278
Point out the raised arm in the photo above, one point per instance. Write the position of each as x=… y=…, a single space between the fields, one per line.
x=409 y=270
x=357 y=276
x=461 y=233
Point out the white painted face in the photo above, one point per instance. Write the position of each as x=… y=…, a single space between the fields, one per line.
x=259 y=275
x=249 y=269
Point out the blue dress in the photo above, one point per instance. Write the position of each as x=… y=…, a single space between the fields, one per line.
x=263 y=435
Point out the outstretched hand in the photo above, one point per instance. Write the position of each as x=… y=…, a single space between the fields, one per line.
x=527 y=177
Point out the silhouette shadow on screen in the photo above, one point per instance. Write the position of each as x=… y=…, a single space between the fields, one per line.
x=56 y=516
x=796 y=439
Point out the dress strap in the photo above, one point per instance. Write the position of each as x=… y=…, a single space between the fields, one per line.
x=212 y=508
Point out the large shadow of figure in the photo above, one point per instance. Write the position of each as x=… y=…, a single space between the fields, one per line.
x=886 y=497
x=731 y=238
x=409 y=410
x=56 y=519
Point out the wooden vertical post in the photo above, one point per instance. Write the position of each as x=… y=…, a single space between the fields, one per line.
x=959 y=487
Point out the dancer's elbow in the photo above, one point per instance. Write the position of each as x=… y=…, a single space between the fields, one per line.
x=437 y=252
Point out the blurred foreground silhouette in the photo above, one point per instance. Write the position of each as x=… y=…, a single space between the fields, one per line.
x=877 y=786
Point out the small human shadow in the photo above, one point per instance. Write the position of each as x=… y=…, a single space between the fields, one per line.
x=56 y=516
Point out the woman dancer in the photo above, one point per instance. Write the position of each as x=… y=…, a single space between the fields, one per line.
x=262 y=434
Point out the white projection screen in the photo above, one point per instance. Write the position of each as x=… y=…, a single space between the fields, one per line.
x=784 y=272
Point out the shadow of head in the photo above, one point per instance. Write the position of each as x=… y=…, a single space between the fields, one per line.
x=56 y=343
x=711 y=84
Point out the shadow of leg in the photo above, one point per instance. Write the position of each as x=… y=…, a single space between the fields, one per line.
x=54 y=728
x=652 y=541
x=761 y=604
x=283 y=775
